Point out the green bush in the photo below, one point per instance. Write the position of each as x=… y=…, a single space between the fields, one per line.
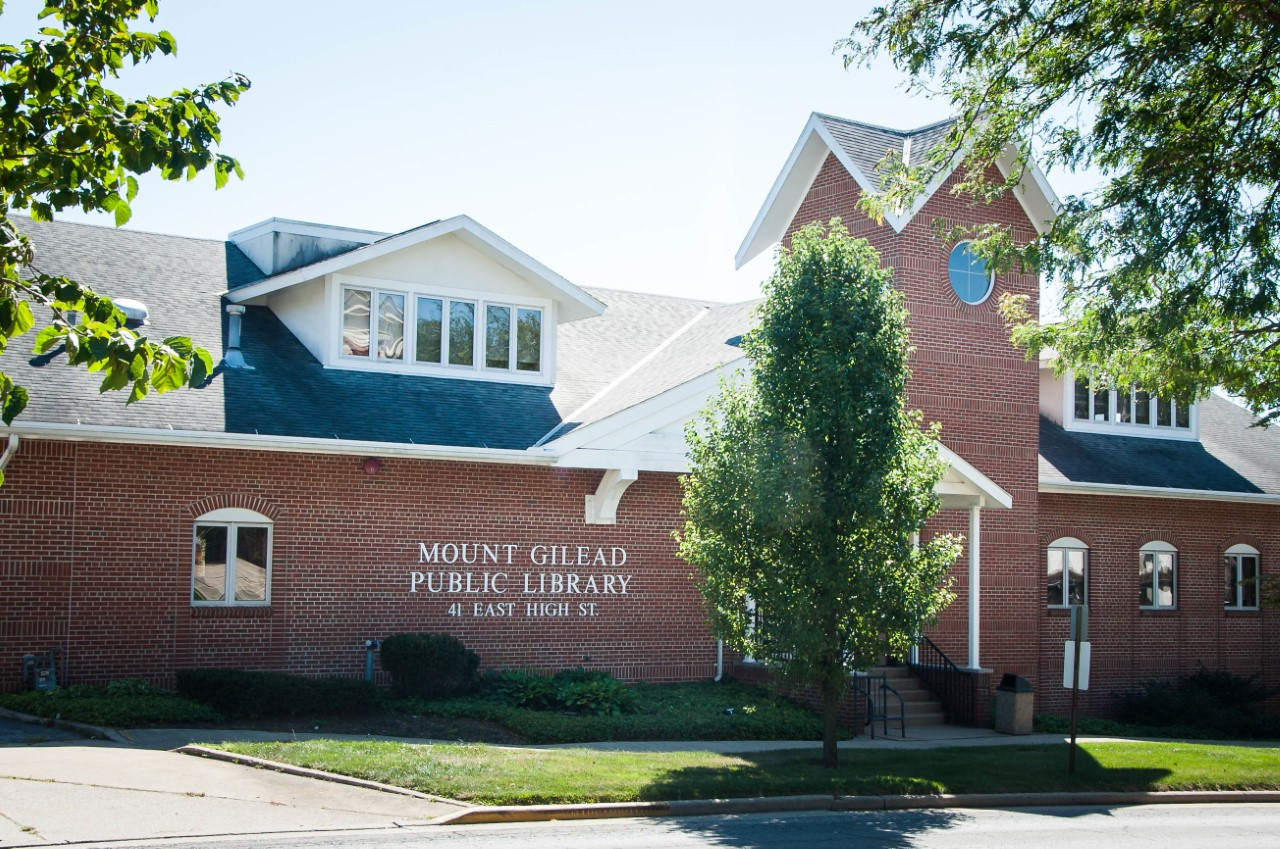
x=702 y=711
x=1208 y=702
x=428 y=666
x=242 y=694
x=599 y=698
x=121 y=704
x=576 y=690
x=522 y=689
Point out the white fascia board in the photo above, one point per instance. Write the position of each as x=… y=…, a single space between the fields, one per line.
x=641 y=461
x=1033 y=192
x=645 y=417
x=798 y=174
x=1075 y=488
x=788 y=191
x=269 y=442
x=576 y=303
x=992 y=493
x=304 y=228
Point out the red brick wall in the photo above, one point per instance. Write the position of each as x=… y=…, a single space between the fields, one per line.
x=967 y=376
x=96 y=548
x=1131 y=645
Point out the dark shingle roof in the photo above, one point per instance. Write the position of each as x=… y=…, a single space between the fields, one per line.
x=1231 y=457
x=288 y=392
x=867 y=144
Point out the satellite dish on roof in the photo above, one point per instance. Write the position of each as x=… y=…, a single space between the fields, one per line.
x=135 y=312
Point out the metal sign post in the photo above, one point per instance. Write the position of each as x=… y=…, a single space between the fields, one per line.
x=1079 y=633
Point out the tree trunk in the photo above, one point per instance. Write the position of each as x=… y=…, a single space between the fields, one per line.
x=831 y=692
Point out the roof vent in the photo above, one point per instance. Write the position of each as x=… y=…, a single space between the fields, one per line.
x=135 y=312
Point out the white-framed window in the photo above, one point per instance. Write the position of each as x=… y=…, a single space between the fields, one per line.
x=1068 y=572
x=1093 y=405
x=970 y=279
x=1158 y=576
x=1240 y=578
x=373 y=324
x=449 y=332
x=231 y=558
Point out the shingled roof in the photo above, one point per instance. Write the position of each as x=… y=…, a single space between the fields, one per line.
x=1230 y=458
x=289 y=393
x=867 y=144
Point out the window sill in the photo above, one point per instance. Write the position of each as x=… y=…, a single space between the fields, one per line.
x=1173 y=609
x=231 y=611
x=1241 y=611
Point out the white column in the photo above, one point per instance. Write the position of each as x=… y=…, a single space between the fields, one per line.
x=975 y=585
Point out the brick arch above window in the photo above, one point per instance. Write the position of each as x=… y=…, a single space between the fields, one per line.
x=1158 y=536
x=239 y=500
x=1054 y=534
x=1240 y=539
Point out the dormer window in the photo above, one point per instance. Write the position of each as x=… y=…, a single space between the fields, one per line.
x=450 y=333
x=1094 y=406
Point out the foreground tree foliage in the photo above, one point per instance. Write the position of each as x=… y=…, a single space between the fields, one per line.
x=1170 y=269
x=810 y=478
x=66 y=140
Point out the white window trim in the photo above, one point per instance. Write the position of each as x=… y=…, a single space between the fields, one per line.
x=1160 y=547
x=339 y=283
x=1236 y=552
x=991 y=279
x=232 y=518
x=1147 y=431
x=1068 y=544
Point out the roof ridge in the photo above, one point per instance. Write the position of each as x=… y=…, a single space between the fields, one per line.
x=110 y=229
x=617 y=381
x=702 y=302
x=904 y=133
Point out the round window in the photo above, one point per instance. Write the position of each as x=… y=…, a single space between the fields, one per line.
x=969 y=276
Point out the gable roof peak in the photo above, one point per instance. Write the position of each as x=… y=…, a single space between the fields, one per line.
x=859 y=147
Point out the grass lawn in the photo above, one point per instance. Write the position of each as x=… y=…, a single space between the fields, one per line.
x=498 y=775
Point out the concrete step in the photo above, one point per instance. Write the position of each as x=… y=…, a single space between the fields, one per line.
x=913 y=721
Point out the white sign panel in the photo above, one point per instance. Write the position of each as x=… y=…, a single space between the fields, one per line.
x=1069 y=665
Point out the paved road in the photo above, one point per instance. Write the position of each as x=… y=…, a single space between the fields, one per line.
x=1163 y=826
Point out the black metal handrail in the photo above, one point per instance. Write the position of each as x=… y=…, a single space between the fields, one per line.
x=875 y=691
x=953 y=686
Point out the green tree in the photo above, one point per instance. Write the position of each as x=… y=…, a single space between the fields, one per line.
x=810 y=478
x=1170 y=269
x=66 y=140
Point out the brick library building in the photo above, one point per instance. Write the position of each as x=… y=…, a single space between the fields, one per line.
x=431 y=431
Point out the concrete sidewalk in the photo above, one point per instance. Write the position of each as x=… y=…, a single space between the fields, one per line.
x=66 y=792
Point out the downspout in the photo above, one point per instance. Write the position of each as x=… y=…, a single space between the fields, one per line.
x=9 y=451
x=719 y=660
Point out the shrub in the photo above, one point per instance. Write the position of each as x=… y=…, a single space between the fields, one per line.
x=599 y=697
x=576 y=690
x=428 y=666
x=523 y=689
x=1214 y=701
x=124 y=706
x=244 y=694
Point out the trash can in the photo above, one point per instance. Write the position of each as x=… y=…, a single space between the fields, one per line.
x=1015 y=700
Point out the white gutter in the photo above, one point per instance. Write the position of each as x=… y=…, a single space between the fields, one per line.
x=9 y=451
x=1073 y=488
x=270 y=442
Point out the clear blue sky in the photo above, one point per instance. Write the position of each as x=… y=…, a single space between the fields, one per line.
x=623 y=145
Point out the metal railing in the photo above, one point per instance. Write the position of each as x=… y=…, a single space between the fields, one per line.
x=953 y=686
x=876 y=697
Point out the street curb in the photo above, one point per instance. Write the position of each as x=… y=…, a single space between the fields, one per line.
x=783 y=804
x=93 y=732
x=304 y=772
